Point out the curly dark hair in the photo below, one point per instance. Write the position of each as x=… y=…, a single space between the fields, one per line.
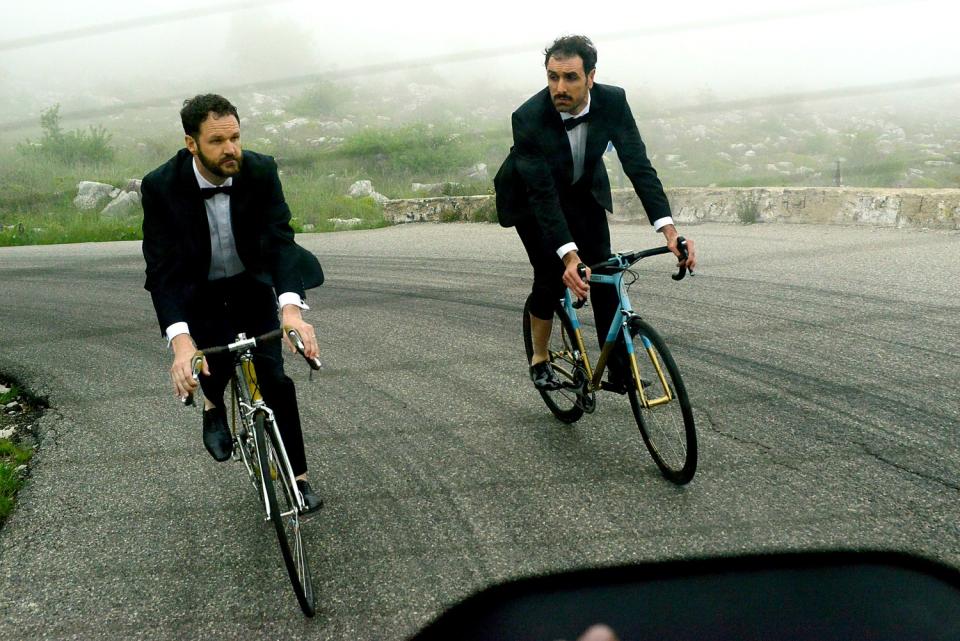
x=196 y=109
x=569 y=46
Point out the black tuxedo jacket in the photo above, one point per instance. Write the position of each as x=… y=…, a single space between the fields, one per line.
x=176 y=235
x=539 y=169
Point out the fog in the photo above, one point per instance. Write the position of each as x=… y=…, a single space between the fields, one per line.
x=731 y=50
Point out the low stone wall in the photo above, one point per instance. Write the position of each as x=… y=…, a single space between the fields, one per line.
x=930 y=208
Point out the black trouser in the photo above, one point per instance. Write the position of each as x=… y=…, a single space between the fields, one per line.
x=587 y=222
x=240 y=303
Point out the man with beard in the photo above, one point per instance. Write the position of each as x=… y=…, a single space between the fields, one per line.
x=553 y=187
x=219 y=248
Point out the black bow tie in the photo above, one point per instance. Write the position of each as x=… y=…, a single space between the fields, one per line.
x=570 y=123
x=210 y=192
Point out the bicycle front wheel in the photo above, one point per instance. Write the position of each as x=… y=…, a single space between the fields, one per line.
x=565 y=403
x=282 y=502
x=665 y=419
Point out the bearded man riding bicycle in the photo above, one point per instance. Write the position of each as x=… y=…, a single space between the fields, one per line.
x=553 y=187
x=219 y=248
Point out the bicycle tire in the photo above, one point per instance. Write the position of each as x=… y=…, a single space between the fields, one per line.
x=284 y=515
x=564 y=403
x=668 y=429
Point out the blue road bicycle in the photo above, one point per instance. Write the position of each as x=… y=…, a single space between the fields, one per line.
x=656 y=391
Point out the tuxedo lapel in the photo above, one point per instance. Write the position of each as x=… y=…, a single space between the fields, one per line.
x=556 y=137
x=194 y=213
x=598 y=133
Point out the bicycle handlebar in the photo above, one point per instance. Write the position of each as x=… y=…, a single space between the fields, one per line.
x=626 y=259
x=245 y=343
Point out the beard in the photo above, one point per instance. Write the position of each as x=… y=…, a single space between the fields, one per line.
x=216 y=168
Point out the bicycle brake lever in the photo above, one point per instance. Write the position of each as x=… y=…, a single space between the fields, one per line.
x=196 y=363
x=682 y=246
x=582 y=273
x=314 y=363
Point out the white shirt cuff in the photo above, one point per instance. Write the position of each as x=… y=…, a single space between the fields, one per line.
x=661 y=222
x=291 y=298
x=569 y=247
x=175 y=330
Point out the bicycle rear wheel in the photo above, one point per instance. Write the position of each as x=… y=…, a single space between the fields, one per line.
x=667 y=423
x=565 y=403
x=281 y=499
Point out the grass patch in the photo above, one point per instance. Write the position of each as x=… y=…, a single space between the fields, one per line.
x=11 y=457
x=9 y=395
x=51 y=229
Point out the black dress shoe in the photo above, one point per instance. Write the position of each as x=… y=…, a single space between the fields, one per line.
x=622 y=386
x=544 y=378
x=311 y=499
x=216 y=434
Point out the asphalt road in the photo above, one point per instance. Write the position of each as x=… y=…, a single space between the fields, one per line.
x=823 y=365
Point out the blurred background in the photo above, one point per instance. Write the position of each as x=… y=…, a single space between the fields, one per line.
x=416 y=97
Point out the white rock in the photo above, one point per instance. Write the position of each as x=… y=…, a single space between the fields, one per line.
x=433 y=189
x=91 y=195
x=296 y=122
x=364 y=189
x=3 y=389
x=345 y=222
x=360 y=189
x=479 y=171
x=7 y=433
x=124 y=204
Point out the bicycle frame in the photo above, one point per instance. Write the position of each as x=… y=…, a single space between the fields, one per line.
x=249 y=401
x=618 y=327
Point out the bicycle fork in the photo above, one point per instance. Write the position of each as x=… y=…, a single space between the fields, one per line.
x=634 y=368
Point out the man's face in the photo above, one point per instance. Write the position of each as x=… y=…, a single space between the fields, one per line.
x=217 y=146
x=568 y=83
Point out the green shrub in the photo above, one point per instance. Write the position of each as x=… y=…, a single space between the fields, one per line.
x=415 y=149
x=487 y=213
x=71 y=147
x=748 y=208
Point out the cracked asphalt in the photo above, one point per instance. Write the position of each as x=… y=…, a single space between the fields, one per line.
x=822 y=363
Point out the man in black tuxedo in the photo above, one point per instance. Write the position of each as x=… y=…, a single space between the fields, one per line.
x=219 y=249
x=553 y=188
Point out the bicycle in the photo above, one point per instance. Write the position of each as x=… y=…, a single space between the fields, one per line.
x=257 y=442
x=660 y=404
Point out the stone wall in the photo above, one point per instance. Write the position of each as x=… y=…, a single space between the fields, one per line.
x=931 y=208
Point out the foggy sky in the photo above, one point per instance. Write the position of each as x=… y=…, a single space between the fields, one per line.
x=868 y=42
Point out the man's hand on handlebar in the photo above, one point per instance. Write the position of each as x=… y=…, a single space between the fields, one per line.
x=670 y=232
x=571 y=276
x=292 y=319
x=181 y=372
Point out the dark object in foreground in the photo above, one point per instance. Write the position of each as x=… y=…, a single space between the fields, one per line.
x=823 y=596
